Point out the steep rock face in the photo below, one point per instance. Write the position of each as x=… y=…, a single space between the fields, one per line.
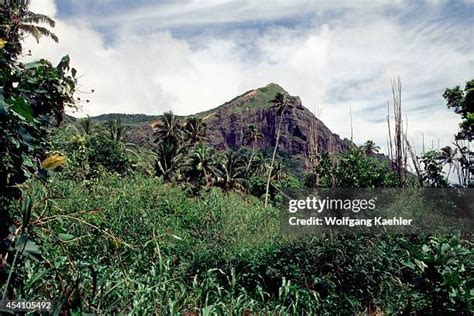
x=302 y=133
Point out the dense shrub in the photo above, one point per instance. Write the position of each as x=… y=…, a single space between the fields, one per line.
x=89 y=155
x=32 y=98
x=351 y=169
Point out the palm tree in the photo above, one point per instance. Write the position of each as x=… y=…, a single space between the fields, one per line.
x=200 y=165
x=370 y=148
x=87 y=125
x=278 y=171
x=196 y=130
x=168 y=129
x=448 y=156
x=281 y=105
x=115 y=129
x=170 y=152
x=230 y=172
x=259 y=165
x=143 y=156
x=18 y=21
x=252 y=136
x=169 y=160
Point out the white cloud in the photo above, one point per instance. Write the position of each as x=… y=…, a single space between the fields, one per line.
x=348 y=61
x=43 y=6
x=204 y=12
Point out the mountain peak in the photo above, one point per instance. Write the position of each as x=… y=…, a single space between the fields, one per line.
x=272 y=89
x=258 y=98
x=275 y=87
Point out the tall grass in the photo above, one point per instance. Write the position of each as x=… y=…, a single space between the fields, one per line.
x=136 y=245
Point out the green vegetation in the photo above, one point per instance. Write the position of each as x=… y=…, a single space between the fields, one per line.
x=126 y=118
x=32 y=98
x=101 y=226
x=160 y=249
x=353 y=169
x=462 y=101
x=433 y=173
x=123 y=241
x=183 y=157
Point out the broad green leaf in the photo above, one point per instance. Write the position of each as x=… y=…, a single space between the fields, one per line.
x=27 y=162
x=445 y=247
x=27 y=138
x=3 y=106
x=26 y=209
x=36 y=277
x=14 y=141
x=409 y=264
x=66 y=237
x=33 y=64
x=64 y=63
x=21 y=107
x=28 y=248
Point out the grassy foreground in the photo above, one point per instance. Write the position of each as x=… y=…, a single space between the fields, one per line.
x=135 y=245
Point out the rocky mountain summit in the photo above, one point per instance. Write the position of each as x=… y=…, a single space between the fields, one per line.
x=303 y=134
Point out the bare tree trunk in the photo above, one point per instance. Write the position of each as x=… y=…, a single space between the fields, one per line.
x=241 y=127
x=457 y=168
x=251 y=159
x=465 y=173
x=405 y=145
x=273 y=159
x=352 y=130
x=415 y=162
x=310 y=150
x=313 y=144
x=397 y=109
x=423 y=142
x=390 y=143
x=449 y=171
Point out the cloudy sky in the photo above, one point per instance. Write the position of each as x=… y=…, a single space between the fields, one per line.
x=187 y=56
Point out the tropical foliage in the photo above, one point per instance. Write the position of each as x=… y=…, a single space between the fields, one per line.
x=32 y=100
x=104 y=227
x=160 y=251
x=462 y=101
x=353 y=169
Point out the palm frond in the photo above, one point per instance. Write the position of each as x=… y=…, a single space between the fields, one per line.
x=47 y=33
x=31 y=17
x=38 y=31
